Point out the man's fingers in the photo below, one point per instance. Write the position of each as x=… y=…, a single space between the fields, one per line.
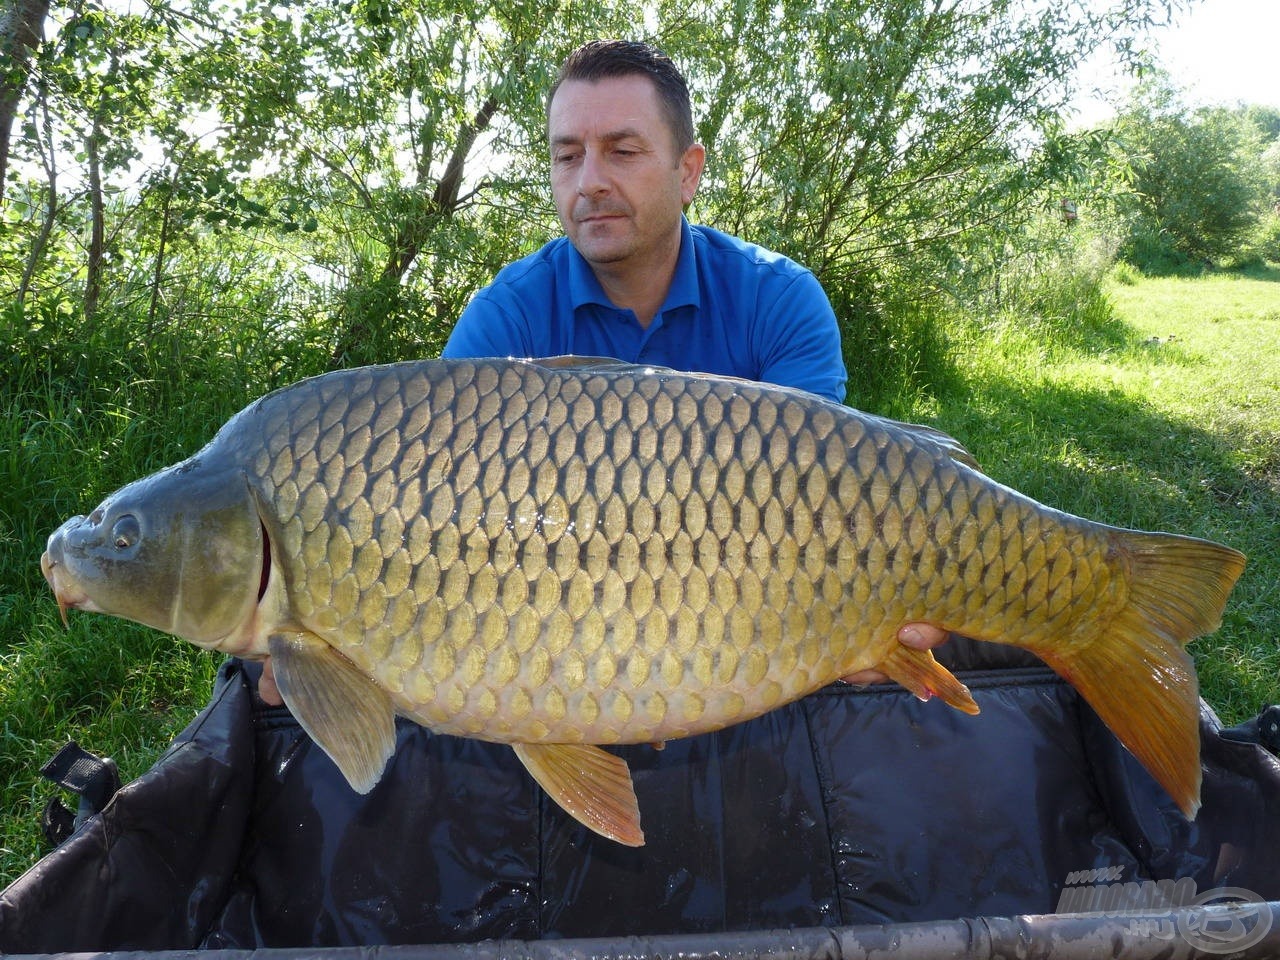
x=267 y=689
x=921 y=636
x=863 y=677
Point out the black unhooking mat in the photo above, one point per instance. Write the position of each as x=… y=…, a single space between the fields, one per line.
x=852 y=806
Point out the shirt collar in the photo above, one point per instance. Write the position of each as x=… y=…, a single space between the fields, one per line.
x=584 y=288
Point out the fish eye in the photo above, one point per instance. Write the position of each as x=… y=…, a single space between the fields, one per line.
x=126 y=532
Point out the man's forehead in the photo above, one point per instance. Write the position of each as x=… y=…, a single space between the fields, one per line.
x=609 y=108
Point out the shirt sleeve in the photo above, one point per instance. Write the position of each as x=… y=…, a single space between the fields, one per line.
x=485 y=329
x=798 y=340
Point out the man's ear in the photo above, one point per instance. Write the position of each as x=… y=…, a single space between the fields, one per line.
x=691 y=165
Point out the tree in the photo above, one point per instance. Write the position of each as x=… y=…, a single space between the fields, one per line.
x=1197 y=182
x=886 y=143
x=21 y=31
x=1266 y=119
x=397 y=146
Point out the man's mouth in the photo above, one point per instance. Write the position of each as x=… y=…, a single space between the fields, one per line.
x=600 y=216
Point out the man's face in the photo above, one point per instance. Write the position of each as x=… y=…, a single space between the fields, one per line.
x=618 y=181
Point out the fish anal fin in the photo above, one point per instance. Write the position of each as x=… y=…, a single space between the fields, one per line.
x=924 y=676
x=348 y=716
x=592 y=785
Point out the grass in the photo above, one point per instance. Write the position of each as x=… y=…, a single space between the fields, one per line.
x=1160 y=413
x=72 y=428
x=1157 y=407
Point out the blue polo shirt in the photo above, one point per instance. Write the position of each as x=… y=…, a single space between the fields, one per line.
x=734 y=309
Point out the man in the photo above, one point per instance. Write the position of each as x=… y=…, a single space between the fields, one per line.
x=632 y=279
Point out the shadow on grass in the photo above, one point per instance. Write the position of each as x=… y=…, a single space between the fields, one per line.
x=1251 y=271
x=1102 y=448
x=1265 y=271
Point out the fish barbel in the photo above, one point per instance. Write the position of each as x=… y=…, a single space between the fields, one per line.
x=566 y=553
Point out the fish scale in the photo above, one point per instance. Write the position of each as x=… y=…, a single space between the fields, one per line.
x=561 y=554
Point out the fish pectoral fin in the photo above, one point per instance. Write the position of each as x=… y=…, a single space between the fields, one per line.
x=592 y=785
x=924 y=676
x=349 y=716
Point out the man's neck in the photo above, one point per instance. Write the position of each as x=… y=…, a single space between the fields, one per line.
x=640 y=288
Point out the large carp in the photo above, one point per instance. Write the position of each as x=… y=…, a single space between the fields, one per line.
x=559 y=554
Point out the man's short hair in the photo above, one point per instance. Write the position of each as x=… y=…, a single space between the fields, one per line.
x=600 y=59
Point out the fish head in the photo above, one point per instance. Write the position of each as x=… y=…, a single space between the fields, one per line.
x=182 y=550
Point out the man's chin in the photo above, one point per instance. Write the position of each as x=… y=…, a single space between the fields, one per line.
x=602 y=253
x=604 y=241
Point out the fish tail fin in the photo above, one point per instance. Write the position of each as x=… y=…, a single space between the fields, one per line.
x=1135 y=673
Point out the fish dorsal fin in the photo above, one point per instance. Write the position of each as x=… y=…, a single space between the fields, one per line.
x=949 y=444
x=953 y=447
x=592 y=785
x=342 y=710
x=571 y=361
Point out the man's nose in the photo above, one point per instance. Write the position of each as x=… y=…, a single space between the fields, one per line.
x=592 y=180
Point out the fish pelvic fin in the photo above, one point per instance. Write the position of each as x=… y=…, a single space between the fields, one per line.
x=592 y=785
x=1135 y=673
x=924 y=676
x=348 y=715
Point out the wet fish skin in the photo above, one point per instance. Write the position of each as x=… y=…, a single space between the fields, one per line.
x=567 y=553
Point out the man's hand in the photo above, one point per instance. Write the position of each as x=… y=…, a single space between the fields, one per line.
x=267 y=689
x=920 y=636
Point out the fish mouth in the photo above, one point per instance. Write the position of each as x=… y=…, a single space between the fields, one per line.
x=68 y=596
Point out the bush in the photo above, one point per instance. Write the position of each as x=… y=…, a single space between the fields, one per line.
x=1197 y=180
x=1049 y=282
x=1158 y=256
x=895 y=352
x=1266 y=241
x=1125 y=274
